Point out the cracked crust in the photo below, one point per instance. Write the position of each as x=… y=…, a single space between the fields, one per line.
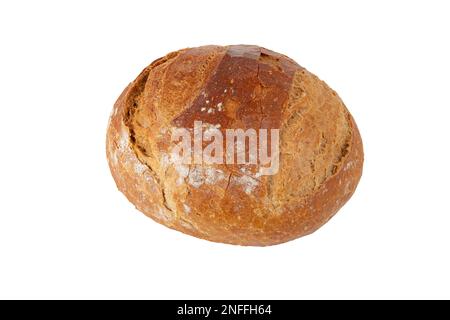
x=244 y=87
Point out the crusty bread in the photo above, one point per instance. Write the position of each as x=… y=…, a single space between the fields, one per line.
x=320 y=149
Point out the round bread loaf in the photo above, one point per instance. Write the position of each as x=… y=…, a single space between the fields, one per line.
x=301 y=151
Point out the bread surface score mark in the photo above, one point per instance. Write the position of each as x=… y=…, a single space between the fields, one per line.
x=143 y=153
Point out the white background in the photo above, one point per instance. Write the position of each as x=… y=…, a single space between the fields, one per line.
x=65 y=230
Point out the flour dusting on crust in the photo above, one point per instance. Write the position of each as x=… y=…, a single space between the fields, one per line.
x=248 y=183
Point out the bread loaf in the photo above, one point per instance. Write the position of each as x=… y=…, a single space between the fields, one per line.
x=175 y=149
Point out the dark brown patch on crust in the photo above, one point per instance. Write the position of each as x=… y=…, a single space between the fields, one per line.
x=248 y=90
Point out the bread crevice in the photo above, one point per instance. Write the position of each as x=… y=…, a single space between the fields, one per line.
x=140 y=151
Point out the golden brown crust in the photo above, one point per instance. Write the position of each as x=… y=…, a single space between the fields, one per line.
x=235 y=87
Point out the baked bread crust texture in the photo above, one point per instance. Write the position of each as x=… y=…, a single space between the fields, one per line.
x=238 y=87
